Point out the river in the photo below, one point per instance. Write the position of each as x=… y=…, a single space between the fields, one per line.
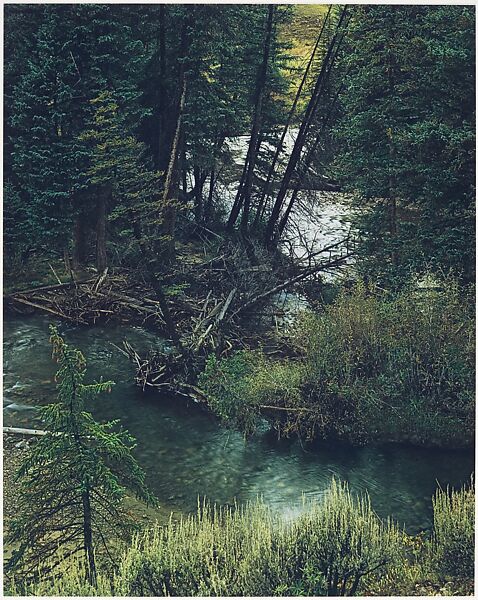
x=187 y=454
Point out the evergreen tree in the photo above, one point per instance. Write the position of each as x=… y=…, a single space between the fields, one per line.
x=74 y=478
x=405 y=141
x=77 y=52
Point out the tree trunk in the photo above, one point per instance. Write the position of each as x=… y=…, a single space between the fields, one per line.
x=88 y=538
x=199 y=180
x=280 y=145
x=101 y=256
x=164 y=131
x=155 y=283
x=392 y=200
x=79 y=242
x=212 y=183
x=301 y=137
x=171 y=182
x=306 y=166
x=244 y=192
x=66 y=260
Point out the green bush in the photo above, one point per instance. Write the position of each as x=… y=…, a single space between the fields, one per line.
x=227 y=384
x=372 y=366
x=246 y=385
x=454 y=531
x=408 y=359
x=344 y=541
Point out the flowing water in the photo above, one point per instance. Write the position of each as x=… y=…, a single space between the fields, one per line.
x=187 y=454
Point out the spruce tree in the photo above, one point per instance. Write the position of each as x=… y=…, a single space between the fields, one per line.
x=405 y=140
x=73 y=479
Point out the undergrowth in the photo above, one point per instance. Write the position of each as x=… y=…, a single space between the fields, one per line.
x=338 y=546
x=372 y=367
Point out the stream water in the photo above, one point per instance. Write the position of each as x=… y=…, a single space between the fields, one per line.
x=187 y=454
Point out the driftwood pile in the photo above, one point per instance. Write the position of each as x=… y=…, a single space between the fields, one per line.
x=99 y=299
x=215 y=303
x=229 y=289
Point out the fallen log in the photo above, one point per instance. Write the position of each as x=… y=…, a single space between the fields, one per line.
x=50 y=310
x=282 y=286
x=22 y=431
x=48 y=288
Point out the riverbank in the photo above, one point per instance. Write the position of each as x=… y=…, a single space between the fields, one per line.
x=366 y=367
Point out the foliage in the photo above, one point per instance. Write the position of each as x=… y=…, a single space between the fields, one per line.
x=72 y=481
x=227 y=384
x=405 y=140
x=17 y=230
x=344 y=541
x=249 y=551
x=374 y=366
x=393 y=367
x=454 y=531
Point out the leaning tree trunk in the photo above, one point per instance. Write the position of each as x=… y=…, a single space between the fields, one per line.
x=280 y=145
x=270 y=234
x=244 y=192
x=171 y=184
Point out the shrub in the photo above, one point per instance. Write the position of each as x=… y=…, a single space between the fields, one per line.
x=343 y=541
x=244 y=386
x=454 y=527
x=371 y=366
x=247 y=551
x=226 y=383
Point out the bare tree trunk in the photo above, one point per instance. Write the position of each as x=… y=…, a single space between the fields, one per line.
x=66 y=260
x=199 y=180
x=101 y=255
x=212 y=183
x=244 y=192
x=306 y=166
x=88 y=538
x=280 y=145
x=301 y=137
x=168 y=202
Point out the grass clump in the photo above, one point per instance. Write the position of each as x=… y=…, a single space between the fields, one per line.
x=342 y=541
x=407 y=359
x=246 y=551
x=454 y=531
x=338 y=546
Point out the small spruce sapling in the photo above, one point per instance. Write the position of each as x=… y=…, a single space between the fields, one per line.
x=73 y=479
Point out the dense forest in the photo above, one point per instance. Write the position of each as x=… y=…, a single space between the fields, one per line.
x=283 y=197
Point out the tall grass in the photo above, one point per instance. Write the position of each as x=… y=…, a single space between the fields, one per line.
x=454 y=530
x=247 y=551
x=338 y=546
